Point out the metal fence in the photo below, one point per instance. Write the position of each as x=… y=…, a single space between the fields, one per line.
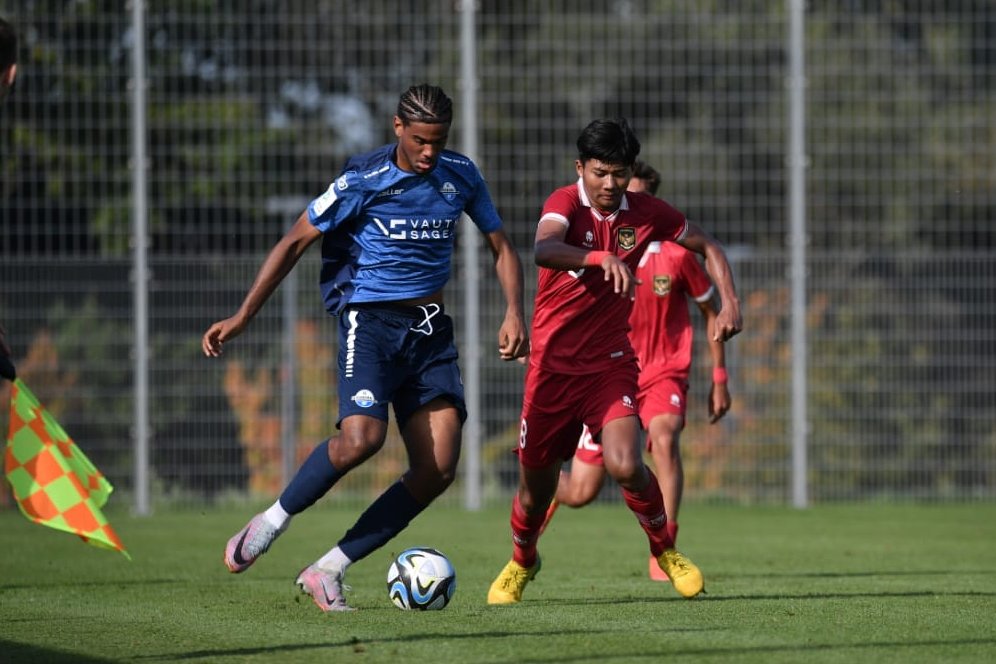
x=250 y=110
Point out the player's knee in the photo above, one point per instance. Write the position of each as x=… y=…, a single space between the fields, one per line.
x=433 y=478
x=623 y=466
x=426 y=487
x=581 y=498
x=354 y=447
x=580 y=490
x=531 y=504
x=627 y=471
x=666 y=448
x=441 y=477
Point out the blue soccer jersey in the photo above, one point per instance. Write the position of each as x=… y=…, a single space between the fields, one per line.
x=389 y=234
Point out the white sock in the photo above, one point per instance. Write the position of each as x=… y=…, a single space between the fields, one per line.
x=278 y=516
x=334 y=561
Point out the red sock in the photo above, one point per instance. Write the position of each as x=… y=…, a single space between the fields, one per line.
x=648 y=506
x=672 y=532
x=525 y=532
x=549 y=515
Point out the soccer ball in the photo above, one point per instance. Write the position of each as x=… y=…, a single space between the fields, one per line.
x=421 y=579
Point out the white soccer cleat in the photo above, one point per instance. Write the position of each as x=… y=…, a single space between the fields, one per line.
x=250 y=543
x=325 y=588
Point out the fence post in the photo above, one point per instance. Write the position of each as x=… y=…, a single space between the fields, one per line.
x=469 y=243
x=140 y=271
x=797 y=243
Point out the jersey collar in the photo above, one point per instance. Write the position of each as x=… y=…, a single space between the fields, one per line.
x=583 y=195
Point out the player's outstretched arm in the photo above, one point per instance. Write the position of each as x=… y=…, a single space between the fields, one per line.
x=277 y=265
x=513 y=336
x=728 y=322
x=719 y=394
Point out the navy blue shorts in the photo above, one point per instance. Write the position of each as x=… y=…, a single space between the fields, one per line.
x=395 y=354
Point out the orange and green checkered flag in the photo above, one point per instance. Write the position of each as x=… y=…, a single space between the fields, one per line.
x=54 y=483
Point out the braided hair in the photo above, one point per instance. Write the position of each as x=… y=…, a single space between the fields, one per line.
x=425 y=103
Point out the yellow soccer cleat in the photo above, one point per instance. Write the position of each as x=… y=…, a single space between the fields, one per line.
x=685 y=576
x=508 y=587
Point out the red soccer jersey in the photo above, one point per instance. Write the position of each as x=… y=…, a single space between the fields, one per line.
x=580 y=324
x=661 y=331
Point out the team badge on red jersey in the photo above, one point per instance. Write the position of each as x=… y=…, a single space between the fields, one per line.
x=662 y=284
x=626 y=237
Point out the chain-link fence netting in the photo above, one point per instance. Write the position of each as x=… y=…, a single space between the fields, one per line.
x=252 y=108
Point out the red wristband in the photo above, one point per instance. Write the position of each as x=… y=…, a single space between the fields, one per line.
x=719 y=375
x=595 y=258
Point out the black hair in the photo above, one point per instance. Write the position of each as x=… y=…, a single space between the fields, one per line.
x=425 y=103
x=8 y=45
x=644 y=171
x=608 y=141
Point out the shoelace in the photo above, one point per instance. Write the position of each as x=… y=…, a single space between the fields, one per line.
x=260 y=540
x=515 y=579
x=679 y=561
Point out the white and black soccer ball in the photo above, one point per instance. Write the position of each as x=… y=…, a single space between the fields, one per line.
x=421 y=579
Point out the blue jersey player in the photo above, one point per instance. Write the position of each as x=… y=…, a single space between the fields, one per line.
x=388 y=225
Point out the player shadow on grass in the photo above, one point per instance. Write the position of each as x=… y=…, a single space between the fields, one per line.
x=738 y=652
x=23 y=652
x=358 y=644
x=217 y=580
x=123 y=583
x=99 y=583
x=843 y=595
x=846 y=575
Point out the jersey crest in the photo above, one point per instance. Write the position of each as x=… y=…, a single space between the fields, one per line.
x=626 y=237
x=662 y=284
x=448 y=190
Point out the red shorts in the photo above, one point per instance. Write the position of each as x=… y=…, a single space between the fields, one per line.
x=666 y=395
x=555 y=407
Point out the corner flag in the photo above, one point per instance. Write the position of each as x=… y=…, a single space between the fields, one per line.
x=53 y=481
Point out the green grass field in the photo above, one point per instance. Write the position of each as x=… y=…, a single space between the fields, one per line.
x=868 y=583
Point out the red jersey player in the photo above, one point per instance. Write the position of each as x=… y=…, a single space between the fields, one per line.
x=661 y=335
x=583 y=369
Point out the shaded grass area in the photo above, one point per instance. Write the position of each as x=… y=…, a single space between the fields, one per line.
x=878 y=583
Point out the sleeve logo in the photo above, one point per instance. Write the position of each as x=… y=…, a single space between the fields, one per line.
x=325 y=201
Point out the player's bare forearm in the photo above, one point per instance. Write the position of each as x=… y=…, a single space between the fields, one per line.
x=552 y=252
x=279 y=262
x=513 y=336
x=719 y=394
x=729 y=321
x=719 y=402
x=558 y=255
x=717 y=350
